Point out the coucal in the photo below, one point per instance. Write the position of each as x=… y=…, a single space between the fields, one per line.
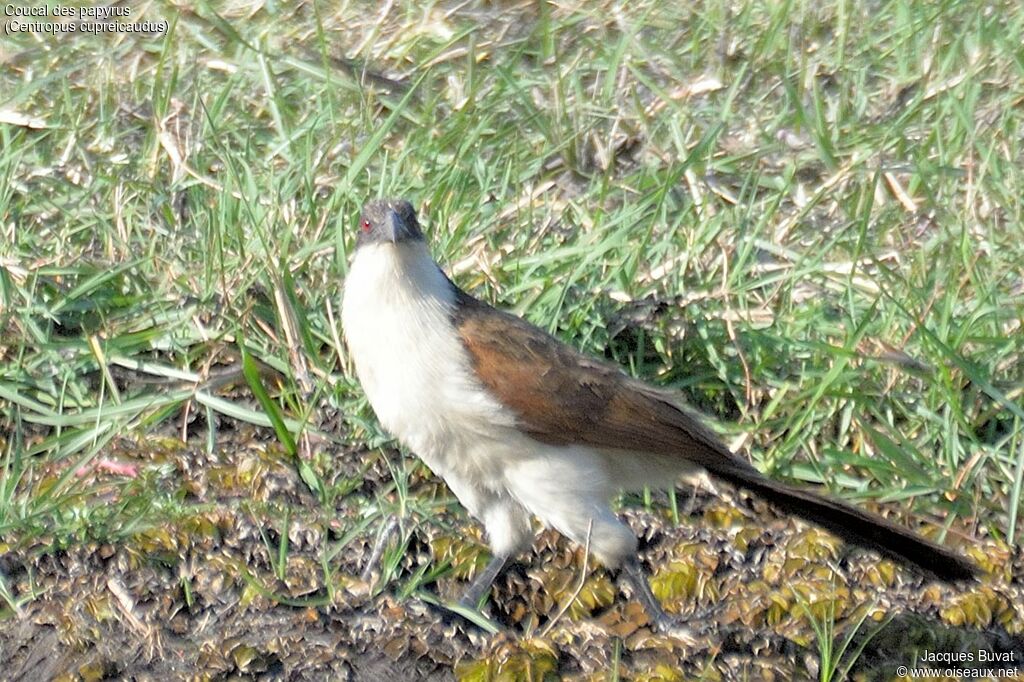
x=518 y=423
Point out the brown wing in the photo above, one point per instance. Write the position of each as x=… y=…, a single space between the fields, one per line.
x=562 y=396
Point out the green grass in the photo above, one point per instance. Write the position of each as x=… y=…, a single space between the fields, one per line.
x=806 y=218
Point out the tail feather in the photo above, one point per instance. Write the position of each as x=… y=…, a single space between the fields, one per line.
x=860 y=527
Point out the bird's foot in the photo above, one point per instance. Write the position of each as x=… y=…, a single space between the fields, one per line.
x=481 y=585
x=467 y=608
x=387 y=530
x=473 y=595
x=457 y=615
x=661 y=622
x=664 y=624
x=676 y=630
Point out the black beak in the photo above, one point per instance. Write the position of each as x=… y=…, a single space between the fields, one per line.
x=396 y=229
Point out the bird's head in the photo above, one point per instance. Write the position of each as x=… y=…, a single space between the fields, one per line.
x=388 y=221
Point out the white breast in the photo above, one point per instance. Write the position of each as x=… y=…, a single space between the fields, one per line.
x=397 y=314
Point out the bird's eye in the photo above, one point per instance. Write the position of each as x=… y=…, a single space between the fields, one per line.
x=366 y=225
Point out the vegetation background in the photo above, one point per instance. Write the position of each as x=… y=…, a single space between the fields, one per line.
x=804 y=216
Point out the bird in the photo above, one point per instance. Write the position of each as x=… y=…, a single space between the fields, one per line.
x=520 y=424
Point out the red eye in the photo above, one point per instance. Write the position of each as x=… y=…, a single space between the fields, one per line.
x=366 y=225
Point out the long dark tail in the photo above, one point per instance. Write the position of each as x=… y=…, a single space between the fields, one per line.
x=858 y=527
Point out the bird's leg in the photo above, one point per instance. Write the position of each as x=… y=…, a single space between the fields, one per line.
x=698 y=482
x=633 y=573
x=383 y=538
x=482 y=583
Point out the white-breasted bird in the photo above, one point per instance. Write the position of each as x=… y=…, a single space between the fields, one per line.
x=519 y=424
